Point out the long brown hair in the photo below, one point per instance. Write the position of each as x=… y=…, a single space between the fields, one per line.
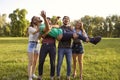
x=32 y=21
x=31 y=25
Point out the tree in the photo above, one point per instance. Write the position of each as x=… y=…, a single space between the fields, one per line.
x=6 y=30
x=87 y=22
x=18 y=23
x=116 y=25
x=98 y=28
x=108 y=27
x=117 y=30
x=3 y=24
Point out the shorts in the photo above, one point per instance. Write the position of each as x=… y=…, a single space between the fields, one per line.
x=77 y=49
x=33 y=47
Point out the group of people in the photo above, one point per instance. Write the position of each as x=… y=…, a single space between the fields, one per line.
x=50 y=32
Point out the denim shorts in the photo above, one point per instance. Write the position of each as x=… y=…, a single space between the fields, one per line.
x=77 y=49
x=33 y=47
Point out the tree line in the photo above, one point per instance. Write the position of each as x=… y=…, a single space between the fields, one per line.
x=17 y=27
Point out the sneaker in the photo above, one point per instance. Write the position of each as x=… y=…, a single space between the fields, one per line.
x=39 y=78
x=95 y=40
x=81 y=77
x=34 y=76
x=68 y=77
x=58 y=78
x=74 y=75
x=30 y=79
x=51 y=78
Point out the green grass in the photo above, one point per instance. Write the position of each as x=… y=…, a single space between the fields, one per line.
x=101 y=61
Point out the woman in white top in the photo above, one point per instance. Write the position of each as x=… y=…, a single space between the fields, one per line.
x=33 y=32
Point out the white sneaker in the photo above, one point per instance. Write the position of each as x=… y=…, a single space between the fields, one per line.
x=68 y=77
x=39 y=78
x=34 y=76
x=51 y=78
x=30 y=79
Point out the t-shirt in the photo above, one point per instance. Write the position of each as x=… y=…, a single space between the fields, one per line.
x=54 y=31
x=48 y=39
x=32 y=37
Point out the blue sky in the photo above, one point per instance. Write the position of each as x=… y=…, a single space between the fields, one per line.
x=73 y=8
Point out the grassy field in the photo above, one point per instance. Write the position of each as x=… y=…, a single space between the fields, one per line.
x=101 y=62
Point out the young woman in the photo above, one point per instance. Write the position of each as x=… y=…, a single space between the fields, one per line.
x=77 y=49
x=33 y=32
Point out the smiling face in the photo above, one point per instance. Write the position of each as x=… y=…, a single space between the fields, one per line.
x=36 y=20
x=39 y=21
x=79 y=25
x=66 y=20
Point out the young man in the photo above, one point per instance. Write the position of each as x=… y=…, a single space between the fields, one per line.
x=48 y=46
x=64 y=49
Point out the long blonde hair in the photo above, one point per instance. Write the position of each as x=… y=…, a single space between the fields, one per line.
x=80 y=27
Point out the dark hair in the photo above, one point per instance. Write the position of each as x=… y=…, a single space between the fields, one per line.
x=66 y=17
x=35 y=20
x=31 y=25
x=32 y=21
x=49 y=18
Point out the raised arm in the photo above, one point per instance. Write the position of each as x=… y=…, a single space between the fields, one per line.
x=47 y=28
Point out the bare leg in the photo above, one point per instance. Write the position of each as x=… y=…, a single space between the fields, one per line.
x=80 y=58
x=34 y=62
x=30 y=63
x=74 y=65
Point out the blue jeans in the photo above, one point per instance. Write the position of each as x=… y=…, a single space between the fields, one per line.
x=68 y=54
